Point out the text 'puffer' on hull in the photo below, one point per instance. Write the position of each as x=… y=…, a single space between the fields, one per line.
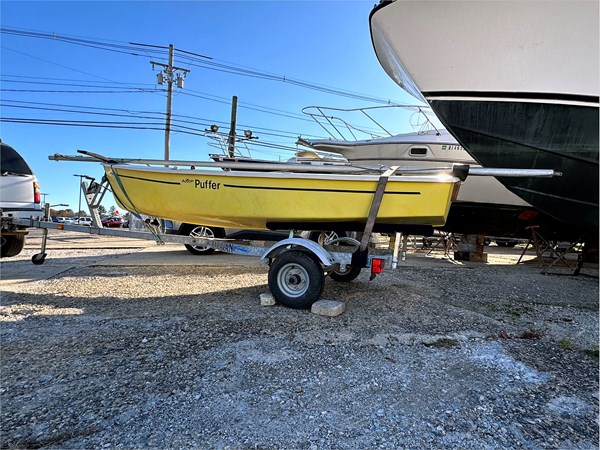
x=278 y=200
x=516 y=83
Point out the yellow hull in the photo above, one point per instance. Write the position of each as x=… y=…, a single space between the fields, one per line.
x=263 y=200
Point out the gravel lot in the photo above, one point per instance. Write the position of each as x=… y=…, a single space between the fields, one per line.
x=144 y=347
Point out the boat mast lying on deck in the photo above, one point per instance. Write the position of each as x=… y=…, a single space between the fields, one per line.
x=456 y=170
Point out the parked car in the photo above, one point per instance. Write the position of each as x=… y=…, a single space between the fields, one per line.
x=20 y=198
x=83 y=221
x=112 y=222
x=203 y=231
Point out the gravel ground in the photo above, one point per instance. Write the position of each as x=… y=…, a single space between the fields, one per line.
x=431 y=355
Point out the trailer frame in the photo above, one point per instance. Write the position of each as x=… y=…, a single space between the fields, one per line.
x=296 y=283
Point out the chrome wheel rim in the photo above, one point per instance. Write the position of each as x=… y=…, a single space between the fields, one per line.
x=200 y=233
x=293 y=280
x=326 y=237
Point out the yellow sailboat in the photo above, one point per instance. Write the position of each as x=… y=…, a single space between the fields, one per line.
x=275 y=199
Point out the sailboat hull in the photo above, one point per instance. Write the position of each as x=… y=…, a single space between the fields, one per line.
x=268 y=200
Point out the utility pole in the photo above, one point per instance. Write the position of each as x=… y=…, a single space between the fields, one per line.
x=231 y=139
x=169 y=102
x=169 y=70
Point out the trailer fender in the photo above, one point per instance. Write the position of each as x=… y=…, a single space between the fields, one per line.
x=306 y=244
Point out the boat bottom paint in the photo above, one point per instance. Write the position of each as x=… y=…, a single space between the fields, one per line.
x=523 y=135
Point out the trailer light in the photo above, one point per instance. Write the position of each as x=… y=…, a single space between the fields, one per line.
x=377 y=265
x=60 y=226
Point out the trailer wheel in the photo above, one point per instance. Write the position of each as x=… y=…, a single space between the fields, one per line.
x=296 y=280
x=200 y=231
x=11 y=245
x=347 y=275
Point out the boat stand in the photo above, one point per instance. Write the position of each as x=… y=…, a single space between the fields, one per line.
x=446 y=240
x=557 y=252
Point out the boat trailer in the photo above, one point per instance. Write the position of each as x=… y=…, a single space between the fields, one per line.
x=297 y=266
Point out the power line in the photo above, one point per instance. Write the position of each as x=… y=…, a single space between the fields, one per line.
x=121 y=91
x=118 y=48
x=188 y=92
x=59 y=107
x=101 y=124
x=54 y=83
x=198 y=61
x=19 y=78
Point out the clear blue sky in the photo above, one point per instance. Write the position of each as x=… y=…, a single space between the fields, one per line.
x=326 y=43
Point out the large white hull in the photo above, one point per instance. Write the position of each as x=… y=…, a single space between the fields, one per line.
x=482 y=46
x=516 y=82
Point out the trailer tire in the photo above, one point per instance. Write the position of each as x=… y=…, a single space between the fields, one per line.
x=347 y=275
x=296 y=279
x=11 y=245
x=200 y=231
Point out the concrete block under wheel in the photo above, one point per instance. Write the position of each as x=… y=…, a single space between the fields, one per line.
x=329 y=308
x=267 y=299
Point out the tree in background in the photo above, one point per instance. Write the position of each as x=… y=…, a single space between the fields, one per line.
x=62 y=212
x=101 y=210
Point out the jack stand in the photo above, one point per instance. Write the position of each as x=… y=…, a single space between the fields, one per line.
x=404 y=247
x=40 y=257
x=395 y=247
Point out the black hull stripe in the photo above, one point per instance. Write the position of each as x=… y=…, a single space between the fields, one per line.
x=277 y=188
x=147 y=179
x=515 y=95
x=315 y=190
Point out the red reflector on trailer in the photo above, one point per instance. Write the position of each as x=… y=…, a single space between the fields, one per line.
x=60 y=226
x=377 y=265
